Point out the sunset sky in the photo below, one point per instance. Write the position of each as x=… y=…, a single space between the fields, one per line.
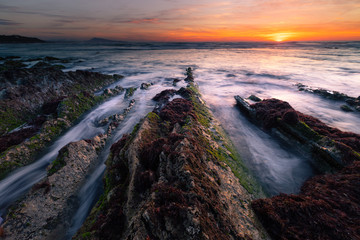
x=183 y=20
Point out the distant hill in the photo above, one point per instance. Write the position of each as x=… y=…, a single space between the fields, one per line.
x=100 y=40
x=18 y=39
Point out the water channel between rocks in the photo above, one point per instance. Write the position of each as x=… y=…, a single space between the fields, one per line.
x=221 y=74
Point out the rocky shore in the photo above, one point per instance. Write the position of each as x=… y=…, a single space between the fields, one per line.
x=37 y=104
x=351 y=104
x=176 y=176
x=329 y=148
x=46 y=211
x=327 y=206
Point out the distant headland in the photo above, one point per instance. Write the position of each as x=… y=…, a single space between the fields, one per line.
x=19 y=39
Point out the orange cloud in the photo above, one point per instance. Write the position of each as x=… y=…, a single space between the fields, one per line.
x=209 y=20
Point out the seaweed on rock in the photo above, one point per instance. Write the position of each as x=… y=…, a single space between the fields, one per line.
x=327 y=206
x=167 y=181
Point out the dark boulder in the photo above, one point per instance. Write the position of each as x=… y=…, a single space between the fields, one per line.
x=254 y=98
x=164 y=95
x=346 y=108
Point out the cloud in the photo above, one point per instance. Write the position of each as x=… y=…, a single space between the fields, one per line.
x=64 y=21
x=18 y=11
x=8 y=22
x=7 y=8
x=145 y=20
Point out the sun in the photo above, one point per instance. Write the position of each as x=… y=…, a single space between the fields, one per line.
x=280 y=37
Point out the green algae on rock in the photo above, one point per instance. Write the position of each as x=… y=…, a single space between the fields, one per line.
x=49 y=101
x=327 y=206
x=45 y=212
x=330 y=148
x=175 y=177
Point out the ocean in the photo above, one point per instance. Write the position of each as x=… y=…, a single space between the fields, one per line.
x=223 y=70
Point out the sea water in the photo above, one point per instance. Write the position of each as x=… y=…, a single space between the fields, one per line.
x=223 y=70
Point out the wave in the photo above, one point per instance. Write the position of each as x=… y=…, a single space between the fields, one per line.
x=265 y=75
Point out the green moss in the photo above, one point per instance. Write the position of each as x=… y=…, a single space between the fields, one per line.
x=308 y=132
x=226 y=152
x=58 y=163
x=36 y=137
x=153 y=117
x=54 y=130
x=74 y=106
x=6 y=168
x=129 y=92
x=86 y=235
x=71 y=109
x=356 y=154
x=9 y=120
x=237 y=167
x=11 y=64
x=201 y=111
x=136 y=129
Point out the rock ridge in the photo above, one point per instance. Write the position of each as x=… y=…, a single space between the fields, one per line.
x=170 y=179
x=42 y=102
x=46 y=211
x=327 y=206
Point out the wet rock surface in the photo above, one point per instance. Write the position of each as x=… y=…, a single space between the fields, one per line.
x=145 y=86
x=170 y=179
x=330 y=148
x=47 y=207
x=327 y=206
x=45 y=101
x=26 y=90
x=352 y=103
x=46 y=211
x=254 y=98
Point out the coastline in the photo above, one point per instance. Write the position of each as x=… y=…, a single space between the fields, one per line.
x=198 y=121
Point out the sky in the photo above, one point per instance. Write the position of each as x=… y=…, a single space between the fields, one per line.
x=183 y=20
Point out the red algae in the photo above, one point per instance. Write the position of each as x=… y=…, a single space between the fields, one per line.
x=16 y=138
x=327 y=208
x=163 y=183
x=269 y=110
x=348 y=138
x=177 y=110
x=273 y=113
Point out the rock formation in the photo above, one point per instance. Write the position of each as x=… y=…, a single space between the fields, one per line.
x=330 y=148
x=46 y=211
x=351 y=103
x=41 y=102
x=327 y=206
x=175 y=177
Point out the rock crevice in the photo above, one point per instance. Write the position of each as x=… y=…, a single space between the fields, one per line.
x=170 y=179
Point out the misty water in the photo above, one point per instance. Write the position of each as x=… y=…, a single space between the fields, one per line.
x=222 y=71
